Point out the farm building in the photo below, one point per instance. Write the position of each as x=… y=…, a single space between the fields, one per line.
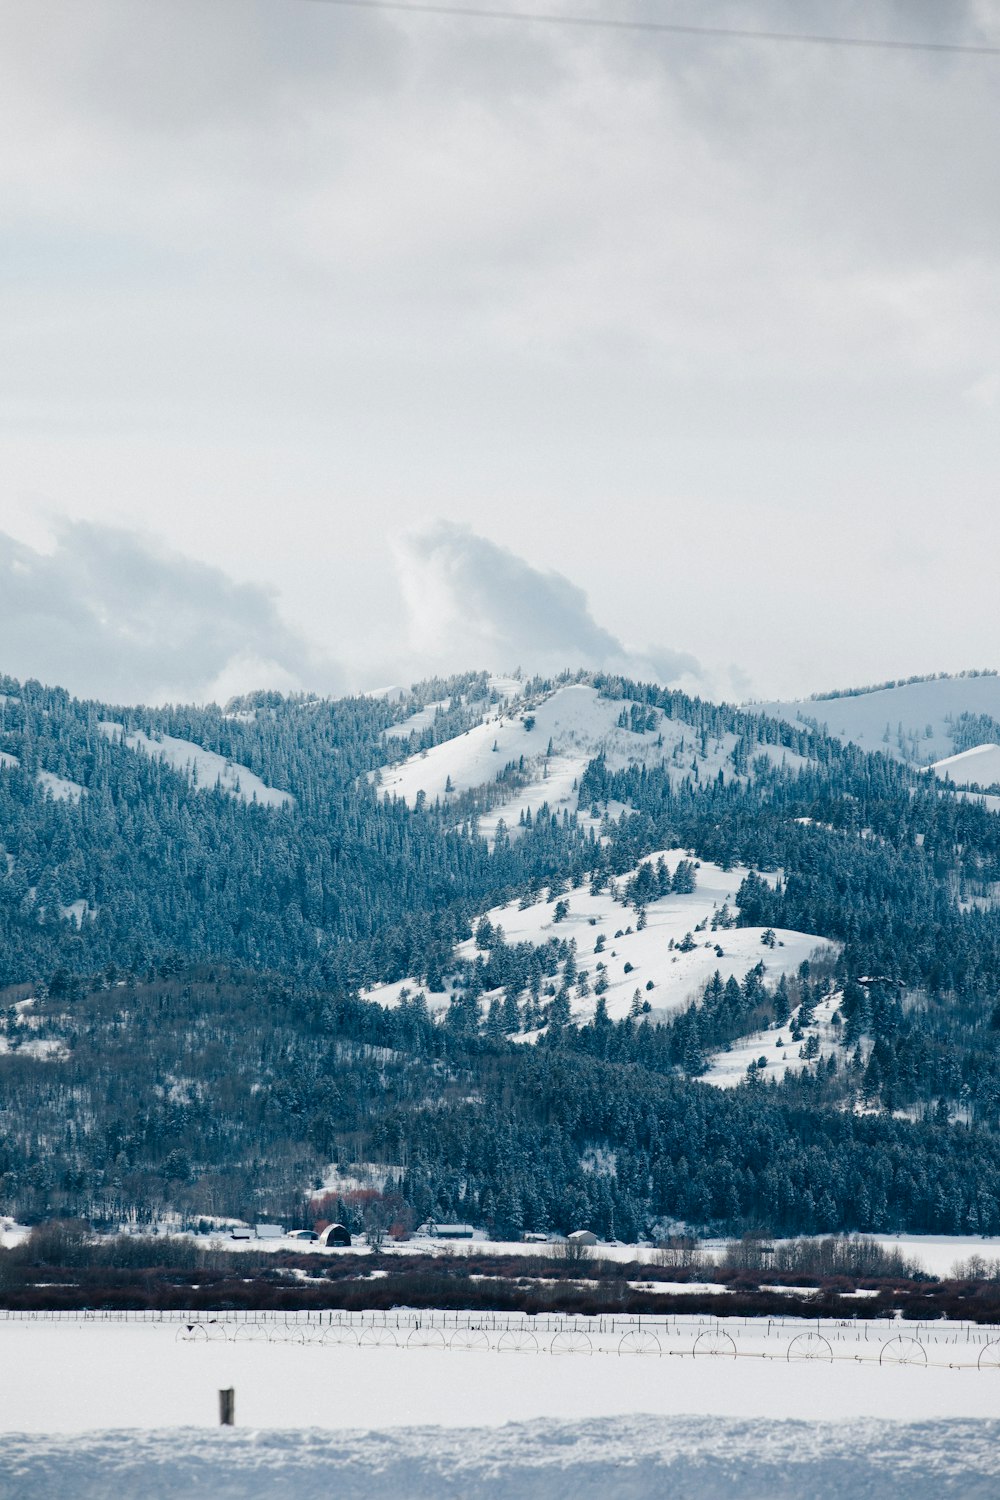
x=335 y=1234
x=581 y=1237
x=451 y=1231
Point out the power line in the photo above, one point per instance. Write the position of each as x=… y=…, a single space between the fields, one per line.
x=664 y=28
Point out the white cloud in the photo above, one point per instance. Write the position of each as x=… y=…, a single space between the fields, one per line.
x=475 y=604
x=109 y=614
x=278 y=277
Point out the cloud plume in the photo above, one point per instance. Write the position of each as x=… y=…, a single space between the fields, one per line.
x=474 y=603
x=108 y=614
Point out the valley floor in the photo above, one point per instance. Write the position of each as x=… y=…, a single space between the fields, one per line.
x=129 y=1408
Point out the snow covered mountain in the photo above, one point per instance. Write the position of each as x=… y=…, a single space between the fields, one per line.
x=914 y=721
x=529 y=751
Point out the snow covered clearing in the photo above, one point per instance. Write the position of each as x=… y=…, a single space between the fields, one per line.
x=579 y=724
x=896 y=720
x=422 y=719
x=607 y=933
x=203 y=768
x=780 y=1053
x=43 y=1049
x=977 y=767
x=76 y=911
x=59 y=788
x=942 y=1254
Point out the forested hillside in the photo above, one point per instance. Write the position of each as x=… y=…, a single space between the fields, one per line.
x=183 y=958
x=114 y=856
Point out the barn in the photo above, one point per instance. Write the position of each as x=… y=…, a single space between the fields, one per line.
x=335 y=1234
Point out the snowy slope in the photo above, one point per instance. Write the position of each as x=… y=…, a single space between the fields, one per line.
x=652 y=954
x=977 y=767
x=59 y=788
x=782 y=1055
x=422 y=719
x=203 y=768
x=579 y=724
x=904 y=714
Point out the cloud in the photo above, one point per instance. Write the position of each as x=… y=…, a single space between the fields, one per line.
x=108 y=614
x=473 y=603
x=312 y=271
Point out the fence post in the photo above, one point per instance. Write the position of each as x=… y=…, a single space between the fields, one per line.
x=227 y=1407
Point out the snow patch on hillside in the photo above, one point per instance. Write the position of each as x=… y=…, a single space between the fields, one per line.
x=42 y=1049
x=781 y=1055
x=658 y=955
x=415 y=722
x=977 y=767
x=59 y=788
x=6 y=759
x=76 y=911
x=204 y=769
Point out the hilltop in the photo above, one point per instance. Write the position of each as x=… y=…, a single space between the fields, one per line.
x=920 y=721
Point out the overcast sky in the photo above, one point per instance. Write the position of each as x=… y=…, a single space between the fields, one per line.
x=337 y=346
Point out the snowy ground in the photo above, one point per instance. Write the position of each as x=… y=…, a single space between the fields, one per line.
x=677 y=976
x=422 y=719
x=977 y=767
x=59 y=788
x=101 y=1409
x=115 y=1374
x=632 y=1458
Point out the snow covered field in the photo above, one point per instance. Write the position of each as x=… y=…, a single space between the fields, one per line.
x=411 y=1372
x=631 y=1458
x=126 y=1409
x=144 y=1374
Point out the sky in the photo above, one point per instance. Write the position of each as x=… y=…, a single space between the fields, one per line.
x=338 y=347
